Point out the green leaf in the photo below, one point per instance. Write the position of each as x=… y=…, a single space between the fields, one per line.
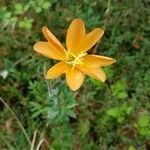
x=119 y=89
x=46 y=5
x=122 y=95
x=131 y=147
x=71 y=105
x=38 y=9
x=114 y=112
x=143 y=121
x=84 y=128
x=26 y=7
x=124 y=107
x=35 y=105
x=144 y=131
x=18 y=8
x=128 y=111
x=120 y=119
x=26 y=23
x=98 y=84
x=108 y=71
x=8 y=15
x=72 y=114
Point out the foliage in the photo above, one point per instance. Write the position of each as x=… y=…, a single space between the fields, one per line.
x=102 y=116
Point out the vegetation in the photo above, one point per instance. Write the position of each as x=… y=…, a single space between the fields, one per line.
x=36 y=113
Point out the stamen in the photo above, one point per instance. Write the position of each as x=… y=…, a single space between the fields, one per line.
x=74 y=60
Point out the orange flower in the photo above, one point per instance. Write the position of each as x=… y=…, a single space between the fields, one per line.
x=74 y=62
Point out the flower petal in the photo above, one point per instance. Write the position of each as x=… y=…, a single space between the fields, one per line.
x=74 y=78
x=56 y=70
x=96 y=60
x=91 y=39
x=75 y=34
x=48 y=50
x=52 y=39
x=96 y=73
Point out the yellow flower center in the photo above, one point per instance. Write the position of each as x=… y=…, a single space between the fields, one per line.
x=74 y=60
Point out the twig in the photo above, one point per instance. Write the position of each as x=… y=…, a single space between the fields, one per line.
x=42 y=136
x=95 y=48
x=18 y=121
x=22 y=59
x=33 y=141
x=40 y=143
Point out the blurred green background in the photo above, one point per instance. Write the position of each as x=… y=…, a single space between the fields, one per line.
x=100 y=116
